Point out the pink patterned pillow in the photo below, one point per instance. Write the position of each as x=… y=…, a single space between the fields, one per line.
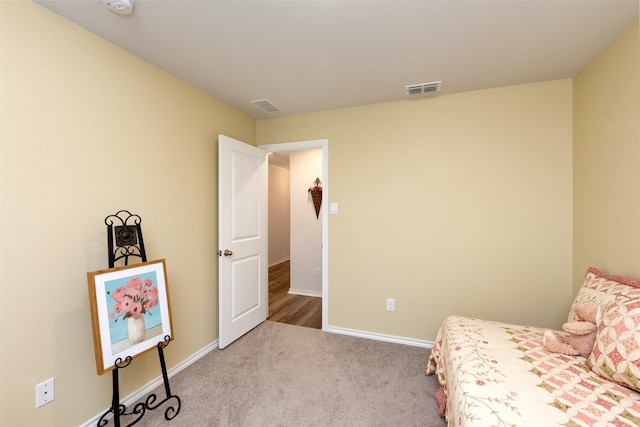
x=616 y=352
x=602 y=290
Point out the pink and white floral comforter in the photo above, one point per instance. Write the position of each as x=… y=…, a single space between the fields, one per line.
x=498 y=374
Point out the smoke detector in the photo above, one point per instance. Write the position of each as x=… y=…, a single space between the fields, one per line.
x=121 y=7
x=421 y=88
x=266 y=106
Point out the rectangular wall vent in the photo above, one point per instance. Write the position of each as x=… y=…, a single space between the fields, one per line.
x=266 y=106
x=421 y=88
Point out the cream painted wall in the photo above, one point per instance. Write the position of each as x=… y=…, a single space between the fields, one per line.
x=88 y=129
x=606 y=151
x=306 y=229
x=456 y=204
x=279 y=214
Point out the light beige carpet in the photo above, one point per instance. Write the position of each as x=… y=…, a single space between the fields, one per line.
x=283 y=375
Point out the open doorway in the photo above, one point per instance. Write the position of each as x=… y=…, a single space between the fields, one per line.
x=295 y=239
x=297 y=249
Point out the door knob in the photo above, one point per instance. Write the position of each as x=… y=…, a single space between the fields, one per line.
x=227 y=252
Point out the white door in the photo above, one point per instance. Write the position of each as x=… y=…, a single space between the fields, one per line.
x=242 y=238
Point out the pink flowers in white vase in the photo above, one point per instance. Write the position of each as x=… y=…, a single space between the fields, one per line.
x=134 y=298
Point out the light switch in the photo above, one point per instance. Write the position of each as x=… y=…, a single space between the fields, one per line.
x=333 y=209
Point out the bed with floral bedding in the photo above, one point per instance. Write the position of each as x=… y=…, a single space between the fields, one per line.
x=499 y=374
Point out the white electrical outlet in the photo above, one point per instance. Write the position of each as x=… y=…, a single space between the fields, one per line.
x=391 y=304
x=44 y=392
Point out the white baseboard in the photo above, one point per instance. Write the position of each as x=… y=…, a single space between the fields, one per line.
x=147 y=389
x=305 y=292
x=280 y=261
x=380 y=337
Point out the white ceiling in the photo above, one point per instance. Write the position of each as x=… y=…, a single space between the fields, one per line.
x=313 y=55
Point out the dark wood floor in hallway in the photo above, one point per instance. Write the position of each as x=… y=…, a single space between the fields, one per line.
x=287 y=308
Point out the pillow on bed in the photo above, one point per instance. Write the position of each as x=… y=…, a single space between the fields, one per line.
x=602 y=290
x=616 y=352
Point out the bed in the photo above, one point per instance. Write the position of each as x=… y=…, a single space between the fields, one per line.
x=499 y=374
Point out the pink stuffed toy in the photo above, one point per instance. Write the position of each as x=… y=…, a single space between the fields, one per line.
x=582 y=334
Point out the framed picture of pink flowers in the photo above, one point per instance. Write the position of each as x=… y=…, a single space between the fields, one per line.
x=130 y=311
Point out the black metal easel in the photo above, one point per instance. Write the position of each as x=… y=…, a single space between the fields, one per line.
x=125 y=241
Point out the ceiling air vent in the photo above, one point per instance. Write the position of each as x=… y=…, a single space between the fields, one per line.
x=121 y=7
x=423 y=88
x=266 y=106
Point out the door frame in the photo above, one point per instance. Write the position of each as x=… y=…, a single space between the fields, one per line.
x=310 y=145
